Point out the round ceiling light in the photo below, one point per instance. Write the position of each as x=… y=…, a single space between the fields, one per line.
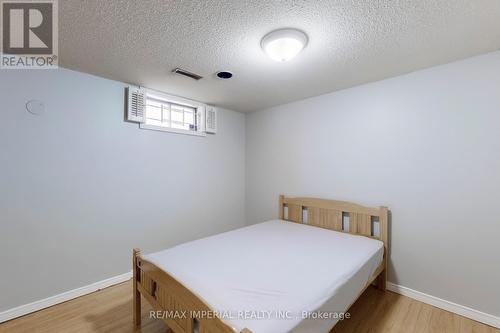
x=284 y=44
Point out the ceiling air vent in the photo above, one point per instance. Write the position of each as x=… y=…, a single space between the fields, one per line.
x=184 y=72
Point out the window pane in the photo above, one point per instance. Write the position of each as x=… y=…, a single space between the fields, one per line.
x=178 y=126
x=177 y=116
x=189 y=118
x=166 y=113
x=177 y=107
x=170 y=115
x=154 y=103
x=153 y=112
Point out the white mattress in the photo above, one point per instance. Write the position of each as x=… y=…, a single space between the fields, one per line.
x=266 y=276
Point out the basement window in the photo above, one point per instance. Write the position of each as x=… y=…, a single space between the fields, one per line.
x=173 y=114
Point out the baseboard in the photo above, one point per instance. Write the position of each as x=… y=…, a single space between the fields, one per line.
x=66 y=296
x=461 y=310
x=417 y=295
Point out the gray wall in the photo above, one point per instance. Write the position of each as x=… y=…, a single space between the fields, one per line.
x=425 y=144
x=79 y=187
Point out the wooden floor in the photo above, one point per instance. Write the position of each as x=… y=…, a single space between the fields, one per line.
x=110 y=310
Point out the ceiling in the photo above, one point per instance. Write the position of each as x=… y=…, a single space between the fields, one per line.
x=350 y=43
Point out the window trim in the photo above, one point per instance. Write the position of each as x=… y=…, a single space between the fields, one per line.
x=200 y=107
x=171 y=130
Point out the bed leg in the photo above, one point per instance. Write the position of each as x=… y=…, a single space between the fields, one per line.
x=382 y=280
x=136 y=293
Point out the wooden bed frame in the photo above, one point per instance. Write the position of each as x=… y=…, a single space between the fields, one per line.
x=166 y=294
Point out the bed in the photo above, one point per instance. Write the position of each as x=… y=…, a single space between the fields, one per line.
x=297 y=274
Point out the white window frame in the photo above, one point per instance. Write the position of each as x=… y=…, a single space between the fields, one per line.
x=200 y=111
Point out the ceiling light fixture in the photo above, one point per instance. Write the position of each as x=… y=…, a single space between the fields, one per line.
x=284 y=44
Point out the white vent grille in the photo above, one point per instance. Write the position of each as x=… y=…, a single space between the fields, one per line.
x=136 y=105
x=211 y=119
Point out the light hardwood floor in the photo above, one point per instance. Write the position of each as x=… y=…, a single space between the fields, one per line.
x=110 y=310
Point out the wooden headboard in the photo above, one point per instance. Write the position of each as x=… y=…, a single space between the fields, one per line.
x=331 y=214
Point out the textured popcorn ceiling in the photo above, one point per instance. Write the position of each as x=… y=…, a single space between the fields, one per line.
x=350 y=43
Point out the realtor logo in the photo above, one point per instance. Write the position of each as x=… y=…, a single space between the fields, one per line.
x=29 y=34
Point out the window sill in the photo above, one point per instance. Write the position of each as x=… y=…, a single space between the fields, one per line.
x=171 y=130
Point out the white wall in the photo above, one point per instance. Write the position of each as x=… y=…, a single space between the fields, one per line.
x=425 y=144
x=79 y=187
